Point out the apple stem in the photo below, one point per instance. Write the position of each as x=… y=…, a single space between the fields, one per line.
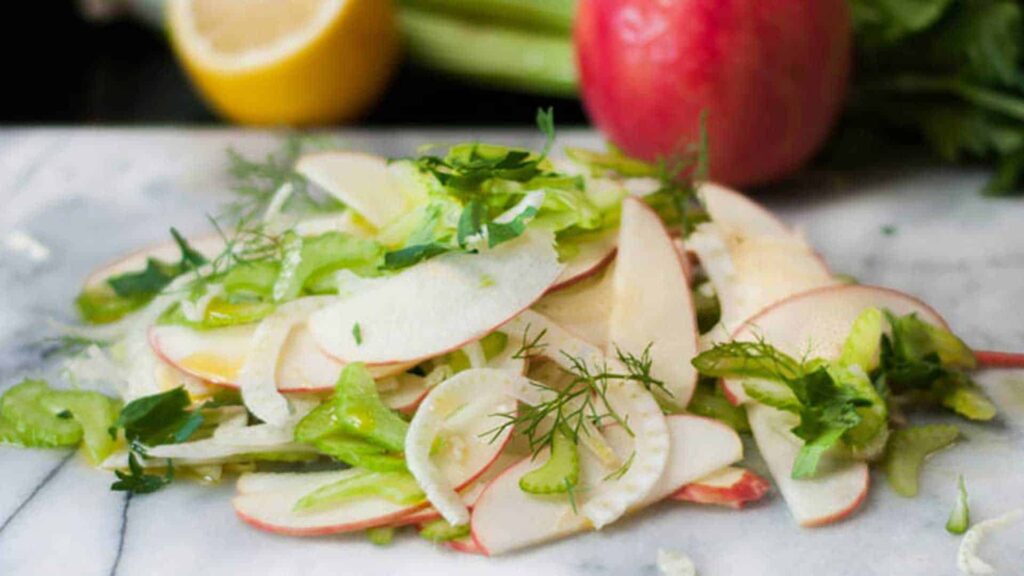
x=992 y=359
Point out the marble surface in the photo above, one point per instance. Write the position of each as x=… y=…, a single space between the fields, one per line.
x=89 y=195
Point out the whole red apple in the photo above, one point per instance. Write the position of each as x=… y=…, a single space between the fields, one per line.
x=771 y=74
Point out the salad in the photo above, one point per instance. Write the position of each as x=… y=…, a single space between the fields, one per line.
x=497 y=348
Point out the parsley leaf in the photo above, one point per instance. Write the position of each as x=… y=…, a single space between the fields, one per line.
x=159 y=419
x=149 y=281
x=137 y=481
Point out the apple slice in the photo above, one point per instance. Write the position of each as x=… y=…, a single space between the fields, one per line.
x=651 y=305
x=583 y=308
x=738 y=214
x=505 y=518
x=209 y=245
x=751 y=258
x=732 y=487
x=266 y=500
x=593 y=256
x=464 y=412
x=360 y=181
x=466 y=545
x=816 y=323
x=439 y=305
x=217 y=356
x=829 y=497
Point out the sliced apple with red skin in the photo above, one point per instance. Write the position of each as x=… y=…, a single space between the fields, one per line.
x=452 y=299
x=834 y=493
x=583 y=308
x=731 y=487
x=217 y=356
x=267 y=500
x=505 y=518
x=652 y=309
x=751 y=258
x=466 y=545
x=594 y=256
x=816 y=323
x=361 y=182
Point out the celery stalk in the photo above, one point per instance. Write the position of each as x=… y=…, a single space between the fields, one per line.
x=493 y=55
x=552 y=15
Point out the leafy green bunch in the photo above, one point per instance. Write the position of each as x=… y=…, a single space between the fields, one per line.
x=949 y=70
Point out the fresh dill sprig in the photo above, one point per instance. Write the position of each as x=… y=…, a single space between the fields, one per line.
x=581 y=404
x=256 y=182
x=531 y=348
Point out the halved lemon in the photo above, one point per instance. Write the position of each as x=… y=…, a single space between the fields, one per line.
x=294 y=62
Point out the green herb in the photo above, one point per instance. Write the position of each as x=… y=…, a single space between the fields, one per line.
x=960 y=517
x=157 y=274
x=255 y=183
x=619 y=472
x=357 y=334
x=949 y=70
x=583 y=401
x=411 y=255
x=162 y=418
x=833 y=404
x=889 y=230
x=137 y=481
x=69 y=345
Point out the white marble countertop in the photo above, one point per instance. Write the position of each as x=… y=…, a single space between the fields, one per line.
x=90 y=195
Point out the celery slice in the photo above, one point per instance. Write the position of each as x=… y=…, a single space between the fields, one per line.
x=907 y=451
x=969 y=401
x=304 y=257
x=709 y=401
x=322 y=421
x=523 y=60
x=381 y=535
x=863 y=345
x=397 y=487
x=441 y=531
x=492 y=345
x=95 y=413
x=252 y=277
x=553 y=15
x=36 y=426
x=101 y=305
x=360 y=411
x=960 y=518
x=360 y=454
x=560 y=473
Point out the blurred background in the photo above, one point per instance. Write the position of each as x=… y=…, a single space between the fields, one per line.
x=778 y=84
x=119 y=68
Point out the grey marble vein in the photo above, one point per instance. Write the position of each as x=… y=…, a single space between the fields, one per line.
x=91 y=195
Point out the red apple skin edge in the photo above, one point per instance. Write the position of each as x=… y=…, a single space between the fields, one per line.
x=772 y=76
x=826 y=520
x=992 y=359
x=750 y=488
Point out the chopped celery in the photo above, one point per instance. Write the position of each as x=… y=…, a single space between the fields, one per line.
x=560 y=473
x=361 y=413
x=867 y=439
x=359 y=453
x=381 y=535
x=960 y=518
x=101 y=305
x=221 y=312
x=612 y=161
x=321 y=422
x=863 y=345
x=95 y=412
x=304 y=257
x=907 y=451
x=397 y=487
x=35 y=425
x=553 y=15
x=8 y=435
x=709 y=401
x=252 y=277
x=528 y=61
x=441 y=531
x=492 y=345
x=967 y=400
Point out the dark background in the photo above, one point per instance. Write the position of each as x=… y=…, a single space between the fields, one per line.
x=69 y=71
